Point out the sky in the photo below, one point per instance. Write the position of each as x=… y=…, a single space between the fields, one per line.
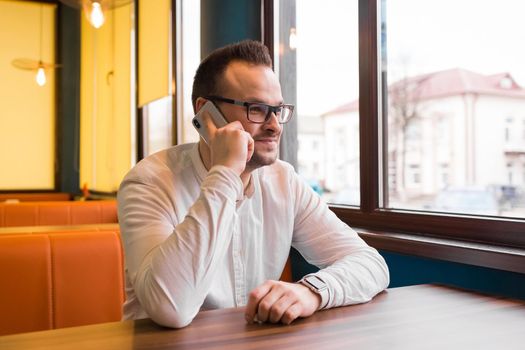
x=423 y=36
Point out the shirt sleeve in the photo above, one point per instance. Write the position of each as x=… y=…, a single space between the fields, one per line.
x=171 y=264
x=353 y=271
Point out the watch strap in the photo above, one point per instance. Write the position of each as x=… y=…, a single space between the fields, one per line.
x=318 y=286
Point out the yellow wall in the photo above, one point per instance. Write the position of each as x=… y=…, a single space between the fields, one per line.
x=27 y=111
x=105 y=103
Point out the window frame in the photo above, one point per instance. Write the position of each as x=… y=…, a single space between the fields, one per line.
x=497 y=231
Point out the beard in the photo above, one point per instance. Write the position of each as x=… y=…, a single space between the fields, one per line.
x=260 y=159
x=262 y=154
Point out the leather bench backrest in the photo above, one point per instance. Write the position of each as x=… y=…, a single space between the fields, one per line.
x=58 y=213
x=54 y=280
x=35 y=196
x=25 y=295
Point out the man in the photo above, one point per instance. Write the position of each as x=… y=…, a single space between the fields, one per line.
x=210 y=226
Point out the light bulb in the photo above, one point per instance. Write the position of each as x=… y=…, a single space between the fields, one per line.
x=41 y=76
x=97 y=15
x=293 y=39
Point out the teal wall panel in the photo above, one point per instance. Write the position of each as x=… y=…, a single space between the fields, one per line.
x=408 y=270
x=68 y=100
x=227 y=21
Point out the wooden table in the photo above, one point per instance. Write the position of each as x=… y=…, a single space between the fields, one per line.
x=416 y=317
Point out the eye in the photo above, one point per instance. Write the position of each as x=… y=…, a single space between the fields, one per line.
x=258 y=109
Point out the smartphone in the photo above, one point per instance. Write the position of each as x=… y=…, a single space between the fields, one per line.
x=216 y=116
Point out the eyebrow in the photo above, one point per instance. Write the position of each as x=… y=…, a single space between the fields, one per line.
x=256 y=100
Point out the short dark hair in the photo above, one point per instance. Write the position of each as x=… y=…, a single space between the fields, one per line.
x=206 y=78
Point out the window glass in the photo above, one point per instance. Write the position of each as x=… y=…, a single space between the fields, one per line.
x=157 y=127
x=191 y=57
x=323 y=41
x=455 y=99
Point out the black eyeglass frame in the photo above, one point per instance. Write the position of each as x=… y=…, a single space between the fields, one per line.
x=271 y=109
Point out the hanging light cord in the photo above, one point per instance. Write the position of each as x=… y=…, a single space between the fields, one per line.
x=41 y=34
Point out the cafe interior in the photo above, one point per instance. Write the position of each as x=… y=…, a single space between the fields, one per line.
x=88 y=88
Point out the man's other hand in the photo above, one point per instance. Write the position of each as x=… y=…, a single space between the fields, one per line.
x=277 y=301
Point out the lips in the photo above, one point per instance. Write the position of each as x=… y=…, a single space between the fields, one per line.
x=270 y=143
x=266 y=140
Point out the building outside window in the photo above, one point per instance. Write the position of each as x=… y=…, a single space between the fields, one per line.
x=508 y=128
x=442 y=94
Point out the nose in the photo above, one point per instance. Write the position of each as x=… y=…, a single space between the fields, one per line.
x=273 y=123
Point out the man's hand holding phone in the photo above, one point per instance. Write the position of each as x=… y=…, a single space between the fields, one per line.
x=230 y=145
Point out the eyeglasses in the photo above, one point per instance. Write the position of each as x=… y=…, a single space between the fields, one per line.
x=260 y=113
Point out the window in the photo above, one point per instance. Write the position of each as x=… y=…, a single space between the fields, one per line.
x=325 y=91
x=431 y=70
x=156 y=125
x=413 y=114
x=190 y=57
x=505 y=83
x=509 y=173
x=508 y=128
x=414 y=170
x=167 y=120
x=444 y=176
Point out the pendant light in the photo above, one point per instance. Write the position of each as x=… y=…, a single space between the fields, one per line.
x=95 y=10
x=39 y=66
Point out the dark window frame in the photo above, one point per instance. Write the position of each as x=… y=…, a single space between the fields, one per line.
x=370 y=215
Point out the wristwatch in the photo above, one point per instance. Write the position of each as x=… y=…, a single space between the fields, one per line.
x=318 y=286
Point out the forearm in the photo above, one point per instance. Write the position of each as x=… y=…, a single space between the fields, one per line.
x=356 y=278
x=175 y=277
x=172 y=278
x=353 y=271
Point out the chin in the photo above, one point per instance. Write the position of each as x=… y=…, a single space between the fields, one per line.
x=259 y=159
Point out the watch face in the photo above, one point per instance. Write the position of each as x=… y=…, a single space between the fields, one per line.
x=315 y=282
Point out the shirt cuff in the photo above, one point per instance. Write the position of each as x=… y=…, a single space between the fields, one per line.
x=326 y=294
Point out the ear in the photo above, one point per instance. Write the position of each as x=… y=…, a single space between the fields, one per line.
x=201 y=101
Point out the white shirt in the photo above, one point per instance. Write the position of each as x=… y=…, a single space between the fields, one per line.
x=193 y=240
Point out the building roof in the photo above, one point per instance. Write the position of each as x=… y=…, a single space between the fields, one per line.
x=347 y=107
x=451 y=82
x=459 y=81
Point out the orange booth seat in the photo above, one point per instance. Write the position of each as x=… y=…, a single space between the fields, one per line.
x=58 y=213
x=34 y=196
x=60 y=279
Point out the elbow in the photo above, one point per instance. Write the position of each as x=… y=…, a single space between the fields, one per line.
x=381 y=274
x=377 y=272
x=384 y=280
x=165 y=309
x=165 y=312
x=171 y=319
